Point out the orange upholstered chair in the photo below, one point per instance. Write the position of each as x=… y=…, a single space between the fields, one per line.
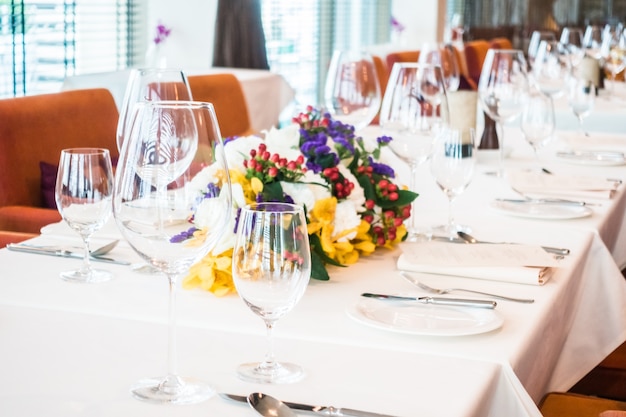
x=475 y=53
x=224 y=91
x=401 y=56
x=14 y=237
x=500 y=43
x=33 y=132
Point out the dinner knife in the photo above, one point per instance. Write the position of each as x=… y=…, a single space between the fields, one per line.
x=444 y=301
x=324 y=410
x=593 y=155
x=555 y=201
x=63 y=253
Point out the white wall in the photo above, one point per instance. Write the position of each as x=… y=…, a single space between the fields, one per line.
x=423 y=20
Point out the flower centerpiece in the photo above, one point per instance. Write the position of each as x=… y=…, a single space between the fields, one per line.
x=352 y=203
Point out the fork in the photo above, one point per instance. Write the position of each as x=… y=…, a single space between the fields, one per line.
x=449 y=290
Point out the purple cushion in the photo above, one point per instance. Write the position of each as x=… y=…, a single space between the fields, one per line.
x=48 y=182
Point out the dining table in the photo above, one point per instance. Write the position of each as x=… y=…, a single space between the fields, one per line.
x=74 y=350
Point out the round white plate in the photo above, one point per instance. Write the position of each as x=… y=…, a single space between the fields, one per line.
x=584 y=159
x=424 y=319
x=542 y=211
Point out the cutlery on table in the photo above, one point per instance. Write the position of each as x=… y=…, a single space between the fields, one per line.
x=471 y=239
x=425 y=287
x=95 y=255
x=457 y=302
x=593 y=155
x=267 y=405
x=554 y=201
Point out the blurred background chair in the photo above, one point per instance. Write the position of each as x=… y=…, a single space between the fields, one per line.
x=401 y=56
x=224 y=91
x=500 y=43
x=561 y=404
x=14 y=237
x=475 y=53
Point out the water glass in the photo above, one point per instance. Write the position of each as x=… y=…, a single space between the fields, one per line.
x=581 y=98
x=538 y=123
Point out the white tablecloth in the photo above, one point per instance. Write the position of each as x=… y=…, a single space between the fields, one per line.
x=267 y=93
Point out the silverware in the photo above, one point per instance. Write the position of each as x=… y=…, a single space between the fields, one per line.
x=593 y=155
x=425 y=287
x=471 y=239
x=317 y=409
x=554 y=201
x=458 y=302
x=63 y=253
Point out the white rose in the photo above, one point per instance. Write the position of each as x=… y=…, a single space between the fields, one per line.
x=238 y=150
x=285 y=142
x=346 y=218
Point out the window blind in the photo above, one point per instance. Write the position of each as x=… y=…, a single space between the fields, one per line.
x=42 y=42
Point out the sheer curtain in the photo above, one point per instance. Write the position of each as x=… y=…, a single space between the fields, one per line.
x=239 y=36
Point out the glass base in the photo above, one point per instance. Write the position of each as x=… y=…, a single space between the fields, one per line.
x=450 y=231
x=93 y=276
x=419 y=235
x=278 y=373
x=172 y=390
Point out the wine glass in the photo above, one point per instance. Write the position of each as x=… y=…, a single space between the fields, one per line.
x=502 y=89
x=172 y=202
x=414 y=112
x=352 y=92
x=581 y=99
x=538 y=122
x=592 y=41
x=535 y=39
x=551 y=68
x=572 y=41
x=444 y=56
x=452 y=165
x=150 y=84
x=83 y=193
x=271 y=270
x=613 y=51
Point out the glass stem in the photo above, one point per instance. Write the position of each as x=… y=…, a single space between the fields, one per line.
x=500 y=131
x=86 y=268
x=269 y=360
x=413 y=218
x=172 y=383
x=451 y=227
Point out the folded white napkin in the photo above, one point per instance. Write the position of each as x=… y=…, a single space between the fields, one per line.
x=522 y=264
x=535 y=185
x=108 y=231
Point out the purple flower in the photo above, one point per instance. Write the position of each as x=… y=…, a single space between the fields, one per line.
x=381 y=169
x=162 y=32
x=182 y=236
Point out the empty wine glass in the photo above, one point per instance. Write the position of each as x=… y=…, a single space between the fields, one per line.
x=452 y=165
x=613 y=50
x=581 y=99
x=444 y=56
x=572 y=41
x=271 y=270
x=172 y=203
x=83 y=193
x=551 y=68
x=592 y=41
x=535 y=39
x=352 y=91
x=502 y=89
x=538 y=123
x=150 y=84
x=414 y=112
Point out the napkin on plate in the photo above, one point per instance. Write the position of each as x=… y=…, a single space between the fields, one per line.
x=533 y=185
x=522 y=264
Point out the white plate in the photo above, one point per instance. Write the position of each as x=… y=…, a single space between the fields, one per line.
x=542 y=211
x=424 y=319
x=587 y=157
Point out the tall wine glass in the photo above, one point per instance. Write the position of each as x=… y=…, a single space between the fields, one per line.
x=538 y=123
x=414 y=112
x=535 y=39
x=352 y=92
x=444 y=56
x=502 y=89
x=83 y=193
x=572 y=41
x=613 y=51
x=271 y=270
x=172 y=203
x=592 y=41
x=551 y=68
x=452 y=166
x=150 y=84
x=581 y=98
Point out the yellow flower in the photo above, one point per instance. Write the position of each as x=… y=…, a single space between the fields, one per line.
x=212 y=273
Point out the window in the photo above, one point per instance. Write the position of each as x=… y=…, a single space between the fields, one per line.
x=42 y=42
x=301 y=37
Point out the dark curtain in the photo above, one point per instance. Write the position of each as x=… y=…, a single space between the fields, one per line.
x=239 y=37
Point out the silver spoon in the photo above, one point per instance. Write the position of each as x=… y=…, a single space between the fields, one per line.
x=449 y=290
x=471 y=239
x=103 y=250
x=268 y=406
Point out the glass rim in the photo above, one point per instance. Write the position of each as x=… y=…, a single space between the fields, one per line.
x=85 y=150
x=174 y=104
x=288 y=207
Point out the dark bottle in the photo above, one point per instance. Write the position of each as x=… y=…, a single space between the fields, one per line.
x=489 y=139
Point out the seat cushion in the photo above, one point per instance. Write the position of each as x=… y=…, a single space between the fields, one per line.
x=558 y=404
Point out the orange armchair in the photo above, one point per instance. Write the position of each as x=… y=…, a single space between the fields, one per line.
x=14 y=237
x=401 y=56
x=33 y=131
x=224 y=91
x=475 y=54
x=500 y=43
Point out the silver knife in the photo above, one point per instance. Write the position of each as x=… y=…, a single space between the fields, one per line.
x=593 y=155
x=316 y=409
x=63 y=253
x=459 y=302
x=555 y=201
x=549 y=249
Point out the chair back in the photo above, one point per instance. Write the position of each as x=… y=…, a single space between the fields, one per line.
x=500 y=43
x=475 y=54
x=226 y=94
x=401 y=56
x=34 y=129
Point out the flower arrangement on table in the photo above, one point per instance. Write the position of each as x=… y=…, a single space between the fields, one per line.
x=352 y=204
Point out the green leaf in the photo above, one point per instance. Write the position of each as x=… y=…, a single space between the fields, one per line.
x=318 y=270
x=316 y=247
x=404 y=197
x=368 y=187
x=273 y=191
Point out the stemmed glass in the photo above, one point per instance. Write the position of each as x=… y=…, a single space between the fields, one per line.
x=535 y=39
x=444 y=56
x=613 y=51
x=502 y=89
x=592 y=41
x=551 y=68
x=581 y=99
x=572 y=41
x=352 y=92
x=83 y=193
x=414 y=112
x=150 y=84
x=538 y=123
x=271 y=270
x=172 y=203
x=452 y=166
